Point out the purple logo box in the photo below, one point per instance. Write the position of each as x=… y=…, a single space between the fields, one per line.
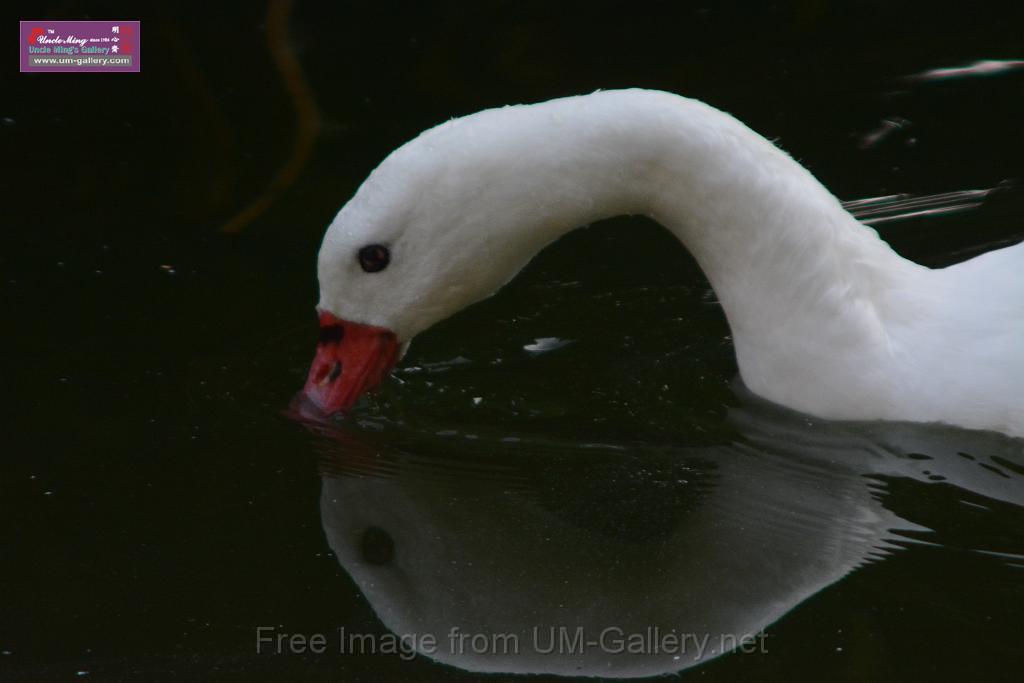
x=77 y=46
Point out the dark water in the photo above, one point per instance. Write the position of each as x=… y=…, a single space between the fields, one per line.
x=159 y=508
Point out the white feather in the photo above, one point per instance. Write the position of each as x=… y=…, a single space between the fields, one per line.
x=826 y=317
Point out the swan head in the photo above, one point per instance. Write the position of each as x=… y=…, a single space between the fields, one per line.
x=427 y=234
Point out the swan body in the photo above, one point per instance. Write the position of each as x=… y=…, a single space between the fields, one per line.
x=826 y=318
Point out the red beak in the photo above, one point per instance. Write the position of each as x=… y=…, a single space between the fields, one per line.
x=351 y=359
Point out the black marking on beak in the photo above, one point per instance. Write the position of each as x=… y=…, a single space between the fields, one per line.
x=332 y=334
x=335 y=372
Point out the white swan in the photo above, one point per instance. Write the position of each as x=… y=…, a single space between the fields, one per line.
x=826 y=317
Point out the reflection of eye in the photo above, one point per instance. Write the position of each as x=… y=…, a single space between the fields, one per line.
x=376 y=546
x=374 y=258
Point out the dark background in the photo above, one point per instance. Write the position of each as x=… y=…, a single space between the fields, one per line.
x=156 y=505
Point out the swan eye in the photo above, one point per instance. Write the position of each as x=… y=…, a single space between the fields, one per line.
x=376 y=546
x=374 y=258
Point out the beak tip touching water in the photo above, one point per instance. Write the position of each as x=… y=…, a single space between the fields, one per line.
x=351 y=359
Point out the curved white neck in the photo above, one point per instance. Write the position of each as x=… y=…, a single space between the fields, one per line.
x=801 y=281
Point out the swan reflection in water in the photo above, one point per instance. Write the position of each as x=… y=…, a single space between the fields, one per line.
x=629 y=561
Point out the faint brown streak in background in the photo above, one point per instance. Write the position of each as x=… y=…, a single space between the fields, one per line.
x=307 y=115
